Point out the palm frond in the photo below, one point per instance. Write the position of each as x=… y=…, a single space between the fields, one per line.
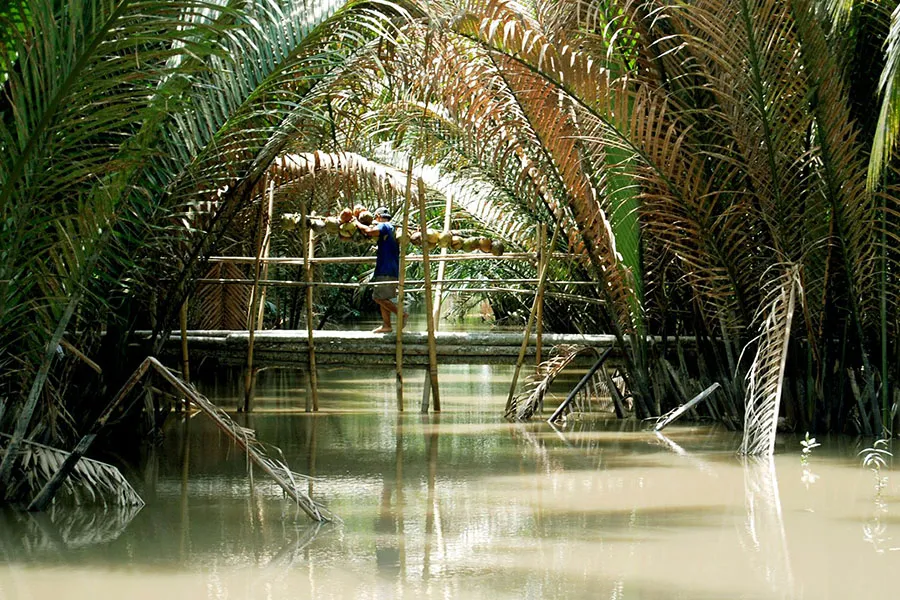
x=92 y=481
x=531 y=399
x=765 y=378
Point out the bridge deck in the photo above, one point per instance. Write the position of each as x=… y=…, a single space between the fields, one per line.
x=350 y=348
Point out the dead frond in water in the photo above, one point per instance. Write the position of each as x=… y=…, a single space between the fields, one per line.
x=531 y=399
x=766 y=374
x=90 y=482
x=257 y=453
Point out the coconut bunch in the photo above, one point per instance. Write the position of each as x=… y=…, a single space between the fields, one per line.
x=453 y=240
x=342 y=225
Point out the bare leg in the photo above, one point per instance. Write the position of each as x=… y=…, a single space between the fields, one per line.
x=387 y=308
x=385 y=317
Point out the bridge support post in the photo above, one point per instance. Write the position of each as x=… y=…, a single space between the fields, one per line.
x=401 y=305
x=309 y=243
x=426 y=267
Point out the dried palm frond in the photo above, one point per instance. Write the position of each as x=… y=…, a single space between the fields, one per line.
x=221 y=306
x=766 y=375
x=257 y=452
x=91 y=481
x=531 y=399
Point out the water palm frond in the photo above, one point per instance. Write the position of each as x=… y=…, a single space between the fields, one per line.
x=531 y=399
x=766 y=375
x=91 y=482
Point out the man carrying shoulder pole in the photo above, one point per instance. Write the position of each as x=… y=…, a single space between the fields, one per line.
x=387 y=265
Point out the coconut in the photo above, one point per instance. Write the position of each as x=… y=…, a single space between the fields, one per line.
x=469 y=244
x=358 y=210
x=484 y=244
x=444 y=239
x=497 y=248
x=288 y=222
x=456 y=242
x=317 y=225
x=416 y=238
x=403 y=238
x=347 y=230
x=433 y=237
x=332 y=225
x=346 y=215
x=365 y=217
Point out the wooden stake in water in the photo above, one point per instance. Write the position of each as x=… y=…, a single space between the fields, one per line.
x=249 y=376
x=545 y=256
x=404 y=248
x=439 y=293
x=308 y=243
x=542 y=278
x=429 y=309
x=185 y=362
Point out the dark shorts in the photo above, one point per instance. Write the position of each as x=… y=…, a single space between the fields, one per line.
x=384 y=291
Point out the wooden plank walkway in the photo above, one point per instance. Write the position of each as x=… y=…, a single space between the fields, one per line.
x=352 y=348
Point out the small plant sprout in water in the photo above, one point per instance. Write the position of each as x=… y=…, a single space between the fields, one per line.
x=807 y=443
x=875 y=459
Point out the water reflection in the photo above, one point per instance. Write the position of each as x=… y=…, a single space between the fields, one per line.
x=764 y=535
x=464 y=505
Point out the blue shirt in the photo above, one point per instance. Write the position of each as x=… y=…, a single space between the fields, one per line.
x=388 y=260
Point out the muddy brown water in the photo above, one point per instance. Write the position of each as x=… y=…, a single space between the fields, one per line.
x=465 y=505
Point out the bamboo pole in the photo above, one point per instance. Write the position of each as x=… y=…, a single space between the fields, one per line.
x=357 y=260
x=429 y=314
x=251 y=316
x=439 y=293
x=267 y=245
x=185 y=356
x=538 y=346
x=295 y=283
x=308 y=242
x=578 y=387
x=404 y=248
x=543 y=278
x=685 y=407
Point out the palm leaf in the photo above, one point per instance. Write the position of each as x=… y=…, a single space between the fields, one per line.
x=765 y=378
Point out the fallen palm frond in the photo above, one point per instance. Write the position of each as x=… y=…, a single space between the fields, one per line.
x=766 y=375
x=245 y=438
x=531 y=399
x=91 y=481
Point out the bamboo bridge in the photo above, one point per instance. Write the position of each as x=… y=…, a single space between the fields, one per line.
x=333 y=348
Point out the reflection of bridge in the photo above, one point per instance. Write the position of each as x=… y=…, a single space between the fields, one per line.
x=351 y=348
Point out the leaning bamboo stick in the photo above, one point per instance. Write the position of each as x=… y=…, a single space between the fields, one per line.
x=185 y=356
x=404 y=247
x=429 y=314
x=543 y=278
x=267 y=245
x=538 y=346
x=308 y=241
x=251 y=317
x=439 y=294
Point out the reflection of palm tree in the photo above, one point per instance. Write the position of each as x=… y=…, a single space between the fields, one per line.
x=763 y=536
